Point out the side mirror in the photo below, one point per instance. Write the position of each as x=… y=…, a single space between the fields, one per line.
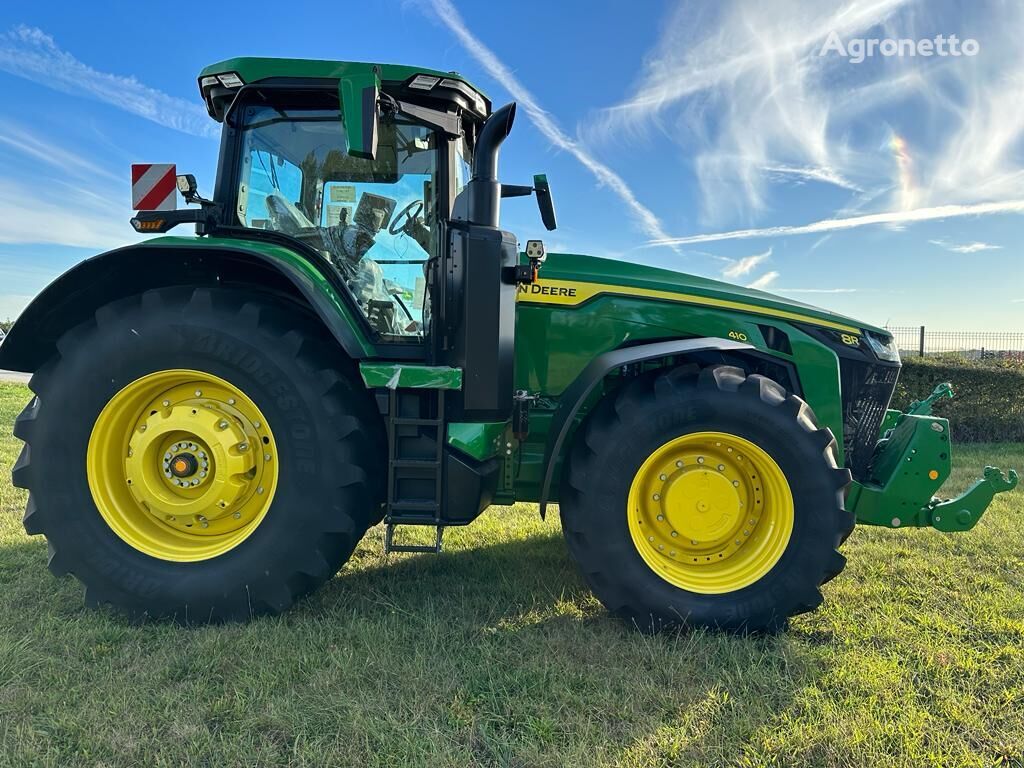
x=359 y=95
x=544 y=201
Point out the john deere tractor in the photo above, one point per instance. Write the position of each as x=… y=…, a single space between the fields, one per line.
x=350 y=338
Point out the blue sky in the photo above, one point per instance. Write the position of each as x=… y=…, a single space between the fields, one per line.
x=712 y=137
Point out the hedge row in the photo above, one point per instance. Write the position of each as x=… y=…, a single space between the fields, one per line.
x=989 y=402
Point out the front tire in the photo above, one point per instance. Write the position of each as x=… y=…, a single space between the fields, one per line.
x=705 y=497
x=200 y=455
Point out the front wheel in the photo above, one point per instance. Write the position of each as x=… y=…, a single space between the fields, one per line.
x=198 y=455
x=708 y=498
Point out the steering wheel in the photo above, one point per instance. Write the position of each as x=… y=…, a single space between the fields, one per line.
x=411 y=212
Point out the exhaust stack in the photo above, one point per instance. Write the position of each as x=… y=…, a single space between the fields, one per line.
x=484 y=188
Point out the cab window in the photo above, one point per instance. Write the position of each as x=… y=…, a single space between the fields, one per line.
x=374 y=220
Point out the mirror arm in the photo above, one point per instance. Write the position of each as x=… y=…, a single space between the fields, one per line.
x=516 y=190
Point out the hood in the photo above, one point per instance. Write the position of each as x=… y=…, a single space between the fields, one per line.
x=598 y=275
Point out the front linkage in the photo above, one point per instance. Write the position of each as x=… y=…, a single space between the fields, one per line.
x=912 y=460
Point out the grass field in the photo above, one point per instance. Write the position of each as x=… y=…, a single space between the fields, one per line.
x=495 y=654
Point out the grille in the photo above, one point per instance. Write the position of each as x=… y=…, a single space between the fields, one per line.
x=867 y=390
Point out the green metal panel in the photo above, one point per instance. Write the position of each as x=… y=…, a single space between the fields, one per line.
x=480 y=440
x=410 y=376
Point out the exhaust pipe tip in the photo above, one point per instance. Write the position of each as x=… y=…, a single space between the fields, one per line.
x=496 y=129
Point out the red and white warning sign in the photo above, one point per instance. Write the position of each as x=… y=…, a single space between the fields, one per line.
x=154 y=187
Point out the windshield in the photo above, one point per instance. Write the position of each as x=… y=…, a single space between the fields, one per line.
x=372 y=219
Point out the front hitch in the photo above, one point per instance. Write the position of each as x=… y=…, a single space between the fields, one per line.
x=961 y=513
x=912 y=460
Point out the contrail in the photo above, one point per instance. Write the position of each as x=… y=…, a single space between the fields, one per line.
x=833 y=225
x=545 y=124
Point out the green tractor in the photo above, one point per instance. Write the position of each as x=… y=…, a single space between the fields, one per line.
x=350 y=339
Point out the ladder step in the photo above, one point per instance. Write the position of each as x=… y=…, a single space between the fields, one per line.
x=390 y=546
x=412 y=506
x=416 y=422
x=415 y=463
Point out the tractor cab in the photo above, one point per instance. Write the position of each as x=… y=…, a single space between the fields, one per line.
x=388 y=174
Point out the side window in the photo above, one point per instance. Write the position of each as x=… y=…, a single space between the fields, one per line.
x=270 y=176
x=373 y=220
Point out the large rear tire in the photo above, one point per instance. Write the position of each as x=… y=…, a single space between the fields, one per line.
x=708 y=498
x=200 y=455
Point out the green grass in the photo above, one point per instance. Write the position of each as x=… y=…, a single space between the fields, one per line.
x=494 y=653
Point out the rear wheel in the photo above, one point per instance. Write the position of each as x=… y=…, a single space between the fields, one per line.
x=199 y=455
x=705 y=497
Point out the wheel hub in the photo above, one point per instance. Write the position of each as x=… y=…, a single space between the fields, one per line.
x=200 y=463
x=696 y=509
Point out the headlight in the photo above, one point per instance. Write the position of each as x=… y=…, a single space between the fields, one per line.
x=885 y=349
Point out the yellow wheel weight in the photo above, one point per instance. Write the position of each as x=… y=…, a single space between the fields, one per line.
x=182 y=465
x=710 y=512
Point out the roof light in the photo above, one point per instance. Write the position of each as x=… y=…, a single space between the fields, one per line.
x=230 y=80
x=207 y=81
x=424 y=82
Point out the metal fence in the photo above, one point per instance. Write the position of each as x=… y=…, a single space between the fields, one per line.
x=922 y=341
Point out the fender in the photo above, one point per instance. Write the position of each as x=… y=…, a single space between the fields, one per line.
x=169 y=261
x=576 y=394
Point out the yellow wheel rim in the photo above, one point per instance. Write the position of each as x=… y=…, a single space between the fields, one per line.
x=710 y=512
x=182 y=465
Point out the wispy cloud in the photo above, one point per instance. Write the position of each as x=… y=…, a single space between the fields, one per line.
x=32 y=145
x=745 y=265
x=30 y=53
x=76 y=218
x=852 y=222
x=740 y=86
x=80 y=204
x=449 y=15
x=974 y=247
x=764 y=281
x=816 y=290
x=824 y=175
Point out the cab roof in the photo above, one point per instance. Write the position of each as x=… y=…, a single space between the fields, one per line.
x=253 y=69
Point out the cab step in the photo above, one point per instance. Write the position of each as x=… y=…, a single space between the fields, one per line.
x=416 y=438
x=391 y=546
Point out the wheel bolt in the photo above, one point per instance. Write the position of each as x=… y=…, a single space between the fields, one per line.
x=657 y=497
x=266 y=457
x=674 y=534
x=700 y=459
x=679 y=463
x=202 y=474
x=193 y=447
x=231 y=401
x=256 y=424
x=663 y=478
x=260 y=489
x=204 y=524
x=736 y=483
x=142 y=428
x=661 y=518
x=243 y=446
x=223 y=425
x=166 y=403
x=199 y=393
x=721 y=467
x=237 y=515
